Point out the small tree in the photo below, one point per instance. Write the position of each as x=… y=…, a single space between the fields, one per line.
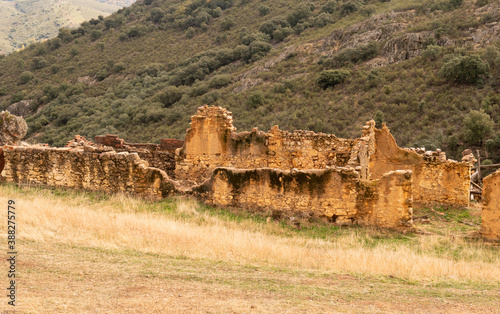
x=478 y=125
x=464 y=69
x=25 y=77
x=330 y=78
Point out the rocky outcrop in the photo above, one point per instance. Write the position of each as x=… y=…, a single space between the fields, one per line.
x=12 y=129
x=21 y=108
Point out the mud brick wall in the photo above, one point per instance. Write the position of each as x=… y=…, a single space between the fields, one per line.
x=490 y=217
x=336 y=193
x=212 y=142
x=434 y=181
x=79 y=169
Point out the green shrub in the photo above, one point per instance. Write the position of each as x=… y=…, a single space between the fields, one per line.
x=281 y=33
x=3 y=90
x=255 y=99
x=39 y=62
x=432 y=52
x=322 y=20
x=477 y=126
x=299 y=14
x=354 y=55
x=17 y=97
x=26 y=77
x=493 y=148
x=226 y=24
x=219 y=81
x=348 y=8
x=95 y=34
x=74 y=52
x=330 y=78
x=464 y=69
x=264 y=10
x=330 y=7
x=156 y=15
x=102 y=74
x=482 y=3
x=169 y=96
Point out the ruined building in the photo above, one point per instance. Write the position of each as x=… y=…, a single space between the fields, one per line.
x=367 y=181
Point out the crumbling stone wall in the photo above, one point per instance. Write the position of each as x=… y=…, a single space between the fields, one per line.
x=212 y=142
x=337 y=193
x=90 y=170
x=490 y=217
x=434 y=181
x=161 y=156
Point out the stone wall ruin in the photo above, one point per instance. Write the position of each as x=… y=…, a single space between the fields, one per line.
x=490 y=216
x=368 y=180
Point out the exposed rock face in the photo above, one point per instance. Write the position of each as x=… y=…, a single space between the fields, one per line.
x=12 y=129
x=21 y=108
x=490 y=217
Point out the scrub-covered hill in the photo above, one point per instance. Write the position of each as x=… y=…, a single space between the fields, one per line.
x=427 y=68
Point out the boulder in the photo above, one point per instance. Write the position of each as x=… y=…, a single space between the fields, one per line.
x=12 y=129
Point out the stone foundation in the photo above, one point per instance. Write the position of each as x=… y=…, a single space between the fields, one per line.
x=490 y=217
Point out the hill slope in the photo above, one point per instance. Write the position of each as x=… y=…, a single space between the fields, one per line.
x=26 y=21
x=141 y=72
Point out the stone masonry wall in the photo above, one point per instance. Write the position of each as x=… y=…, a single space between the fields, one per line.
x=212 y=142
x=434 y=181
x=490 y=217
x=336 y=193
x=80 y=169
x=161 y=156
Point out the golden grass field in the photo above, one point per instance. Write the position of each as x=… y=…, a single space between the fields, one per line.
x=89 y=253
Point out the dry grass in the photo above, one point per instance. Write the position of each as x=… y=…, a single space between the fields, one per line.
x=84 y=253
x=122 y=222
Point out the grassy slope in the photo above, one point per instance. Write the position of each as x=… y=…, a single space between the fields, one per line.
x=420 y=108
x=83 y=252
x=35 y=20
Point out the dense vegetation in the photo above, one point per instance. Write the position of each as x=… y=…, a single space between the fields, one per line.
x=142 y=72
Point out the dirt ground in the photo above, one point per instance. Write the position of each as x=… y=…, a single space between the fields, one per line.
x=57 y=278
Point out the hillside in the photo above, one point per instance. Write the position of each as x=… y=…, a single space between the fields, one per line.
x=325 y=66
x=26 y=21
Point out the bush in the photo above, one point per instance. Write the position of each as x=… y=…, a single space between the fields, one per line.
x=264 y=10
x=482 y=3
x=169 y=96
x=354 y=55
x=322 y=20
x=478 y=125
x=156 y=15
x=219 y=81
x=493 y=147
x=348 y=8
x=432 y=52
x=258 y=49
x=330 y=7
x=25 y=77
x=226 y=24
x=281 y=33
x=330 y=78
x=299 y=14
x=95 y=34
x=39 y=63
x=464 y=69
x=255 y=99
x=101 y=74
